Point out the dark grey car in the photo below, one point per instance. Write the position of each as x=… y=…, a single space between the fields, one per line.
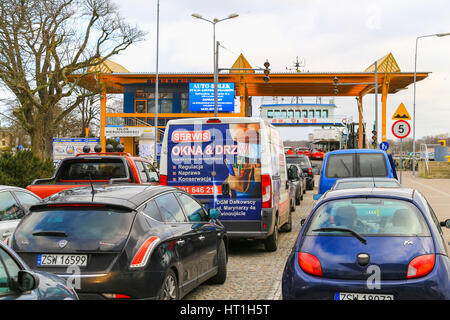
x=18 y=282
x=305 y=165
x=297 y=180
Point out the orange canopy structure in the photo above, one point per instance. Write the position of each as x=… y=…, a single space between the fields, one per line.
x=111 y=80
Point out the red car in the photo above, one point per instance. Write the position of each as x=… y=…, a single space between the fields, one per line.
x=98 y=168
x=304 y=151
x=317 y=154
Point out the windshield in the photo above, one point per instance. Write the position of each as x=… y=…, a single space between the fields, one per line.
x=366 y=184
x=370 y=216
x=108 y=225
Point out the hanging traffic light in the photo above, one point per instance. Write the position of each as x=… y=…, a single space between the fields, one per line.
x=266 y=71
x=335 y=82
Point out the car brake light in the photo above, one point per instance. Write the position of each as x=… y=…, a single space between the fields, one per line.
x=115 y=296
x=266 y=184
x=144 y=252
x=309 y=263
x=213 y=121
x=310 y=171
x=421 y=266
x=76 y=205
x=163 y=180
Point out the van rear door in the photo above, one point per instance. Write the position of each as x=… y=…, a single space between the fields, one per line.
x=219 y=163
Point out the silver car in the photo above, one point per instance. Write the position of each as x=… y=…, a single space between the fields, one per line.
x=14 y=205
x=352 y=183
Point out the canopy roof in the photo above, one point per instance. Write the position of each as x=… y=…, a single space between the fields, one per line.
x=113 y=77
x=280 y=84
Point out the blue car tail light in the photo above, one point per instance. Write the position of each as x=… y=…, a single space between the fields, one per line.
x=421 y=266
x=309 y=264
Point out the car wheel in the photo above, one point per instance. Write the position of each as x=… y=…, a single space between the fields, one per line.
x=298 y=199
x=221 y=275
x=169 y=290
x=287 y=227
x=271 y=243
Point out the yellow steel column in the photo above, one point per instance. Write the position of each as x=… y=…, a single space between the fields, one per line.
x=384 y=95
x=361 y=129
x=103 y=120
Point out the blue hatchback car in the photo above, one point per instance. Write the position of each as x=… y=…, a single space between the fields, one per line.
x=354 y=163
x=369 y=244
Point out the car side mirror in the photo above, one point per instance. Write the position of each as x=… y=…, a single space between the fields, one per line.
x=445 y=223
x=26 y=281
x=302 y=222
x=317 y=196
x=214 y=213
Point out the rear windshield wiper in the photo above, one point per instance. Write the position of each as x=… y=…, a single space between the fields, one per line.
x=354 y=233
x=345 y=166
x=50 y=233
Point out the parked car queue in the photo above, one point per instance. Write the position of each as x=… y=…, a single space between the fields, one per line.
x=111 y=240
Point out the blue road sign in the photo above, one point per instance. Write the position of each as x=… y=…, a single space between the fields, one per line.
x=384 y=146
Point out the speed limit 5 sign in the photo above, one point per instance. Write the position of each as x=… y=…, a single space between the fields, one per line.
x=401 y=129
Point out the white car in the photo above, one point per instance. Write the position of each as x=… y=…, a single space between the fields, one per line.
x=14 y=205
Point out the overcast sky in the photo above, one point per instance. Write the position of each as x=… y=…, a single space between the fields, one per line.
x=337 y=35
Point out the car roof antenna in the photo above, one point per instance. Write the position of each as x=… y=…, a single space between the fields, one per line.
x=92 y=187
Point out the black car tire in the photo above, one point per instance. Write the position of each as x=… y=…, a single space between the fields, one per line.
x=310 y=185
x=287 y=227
x=298 y=199
x=221 y=275
x=271 y=243
x=169 y=289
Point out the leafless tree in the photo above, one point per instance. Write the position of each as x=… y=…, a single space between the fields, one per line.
x=42 y=44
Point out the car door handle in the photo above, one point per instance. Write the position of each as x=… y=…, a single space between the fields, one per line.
x=201 y=238
x=181 y=242
x=6 y=234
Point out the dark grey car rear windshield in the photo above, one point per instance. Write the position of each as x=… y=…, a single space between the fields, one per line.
x=367 y=165
x=110 y=225
x=302 y=161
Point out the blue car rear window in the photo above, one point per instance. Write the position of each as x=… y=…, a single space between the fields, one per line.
x=340 y=166
x=372 y=165
x=370 y=216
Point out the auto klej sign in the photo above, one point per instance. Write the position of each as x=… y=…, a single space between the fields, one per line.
x=201 y=97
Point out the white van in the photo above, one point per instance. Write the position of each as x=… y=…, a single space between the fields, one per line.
x=236 y=165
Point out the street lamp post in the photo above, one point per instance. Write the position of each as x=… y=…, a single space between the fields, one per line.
x=414 y=102
x=215 y=62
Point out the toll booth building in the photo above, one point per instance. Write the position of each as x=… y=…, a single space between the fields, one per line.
x=305 y=113
x=191 y=95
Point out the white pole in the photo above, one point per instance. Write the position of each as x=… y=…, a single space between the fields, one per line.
x=155 y=151
x=216 y=80
x=414 y=113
